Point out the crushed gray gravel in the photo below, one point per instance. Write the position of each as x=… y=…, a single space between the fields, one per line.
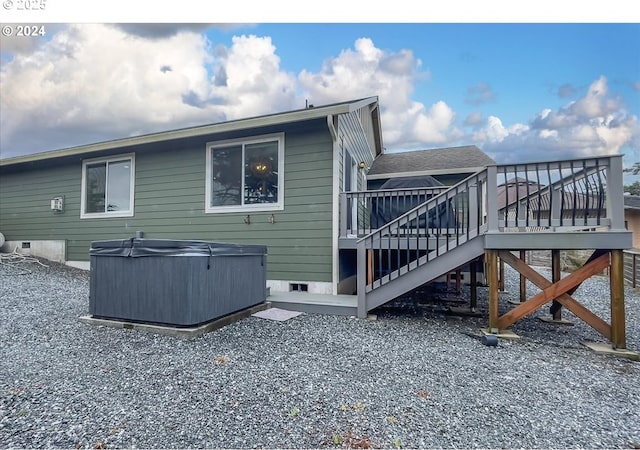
x=415 y=377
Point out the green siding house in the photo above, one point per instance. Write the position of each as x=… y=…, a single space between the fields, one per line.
x=337 y=214
x=274 y=180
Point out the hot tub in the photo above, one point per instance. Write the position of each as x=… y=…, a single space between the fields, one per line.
x=178 y=283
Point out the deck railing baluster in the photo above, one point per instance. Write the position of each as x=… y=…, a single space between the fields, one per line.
x=539 y=194
x=562 y=199
x=528 y=200
x=550 y=193
x=601 y=191
x=588 y=203
x=506 y=195
x=517 y=186
x=574 y=188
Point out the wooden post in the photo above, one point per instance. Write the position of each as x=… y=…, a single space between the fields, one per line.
x=501 y=275
x=473 y=274
x=556 y=307
x=491 y=257
x=633 y=269
x=458 y=282
x=523 y=280
x=616 y=280
x=369 y=267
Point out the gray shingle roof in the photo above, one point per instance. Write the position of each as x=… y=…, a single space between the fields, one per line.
x=442 y=160
x=632 y=202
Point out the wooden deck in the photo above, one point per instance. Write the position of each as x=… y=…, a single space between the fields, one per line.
x=498 y=211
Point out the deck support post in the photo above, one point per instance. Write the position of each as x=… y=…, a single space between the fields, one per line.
x=501 y=275
x=369 y=266
x=616 y=277
x=473 y=280
x=556 y=307
x=491 y=256
x=362 y=276
x=523 y=280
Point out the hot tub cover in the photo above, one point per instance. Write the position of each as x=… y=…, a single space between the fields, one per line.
x=139 y=247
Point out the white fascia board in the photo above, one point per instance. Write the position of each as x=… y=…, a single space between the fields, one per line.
x=354 y=106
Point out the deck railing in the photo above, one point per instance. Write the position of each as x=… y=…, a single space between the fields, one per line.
x=581 y=194
x=553 y=195
x=364 y=211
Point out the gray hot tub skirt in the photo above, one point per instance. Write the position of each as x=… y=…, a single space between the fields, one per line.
x=174 y=282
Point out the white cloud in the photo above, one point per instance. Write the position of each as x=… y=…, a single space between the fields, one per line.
x=96 y=82
x=595 y=124
x=366 y=71
x=253 y=82
x=98 y=78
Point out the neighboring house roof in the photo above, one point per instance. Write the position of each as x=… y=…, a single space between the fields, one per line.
x=429 y=162
x=631 y=202
x=515 y=188
x=309 y=113
x=539 y=200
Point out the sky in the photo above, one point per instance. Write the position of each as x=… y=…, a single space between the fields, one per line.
x=519 y=91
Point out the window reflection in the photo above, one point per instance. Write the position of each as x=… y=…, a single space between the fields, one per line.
x=226 y=165
x=261 y=173
x=108 y=186
x=244 y=174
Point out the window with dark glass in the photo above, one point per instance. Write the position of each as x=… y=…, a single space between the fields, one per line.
x=245 y=174
x=108 y=186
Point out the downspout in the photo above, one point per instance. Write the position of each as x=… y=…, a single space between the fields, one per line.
x=332 y=128
x=335 y=216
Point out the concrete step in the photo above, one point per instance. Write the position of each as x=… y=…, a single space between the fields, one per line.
x=343 y=305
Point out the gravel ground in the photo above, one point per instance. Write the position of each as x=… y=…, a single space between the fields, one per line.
x=412 y=378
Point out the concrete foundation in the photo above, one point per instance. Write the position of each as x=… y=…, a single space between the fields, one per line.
x=185 y=333
x=52 y=250
x=504 y=334
x=606 y=349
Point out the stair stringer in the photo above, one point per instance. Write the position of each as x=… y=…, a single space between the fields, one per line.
x=443 y=264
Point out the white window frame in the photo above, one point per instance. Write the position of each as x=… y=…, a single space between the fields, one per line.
x=108 y=214
x=257 y=207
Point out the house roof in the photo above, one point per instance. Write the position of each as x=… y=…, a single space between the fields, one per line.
x=539 y=200
x=429 y=162
x=309 y=113
x=631 y=202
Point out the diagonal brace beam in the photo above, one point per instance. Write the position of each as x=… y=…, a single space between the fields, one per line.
x=553 y=291
x=566 y=300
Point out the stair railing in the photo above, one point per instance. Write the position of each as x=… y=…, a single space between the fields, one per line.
x=423 y=233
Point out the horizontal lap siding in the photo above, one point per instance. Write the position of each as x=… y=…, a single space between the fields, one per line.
x=169 y=204
x=352 y=132
x=25 y=203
